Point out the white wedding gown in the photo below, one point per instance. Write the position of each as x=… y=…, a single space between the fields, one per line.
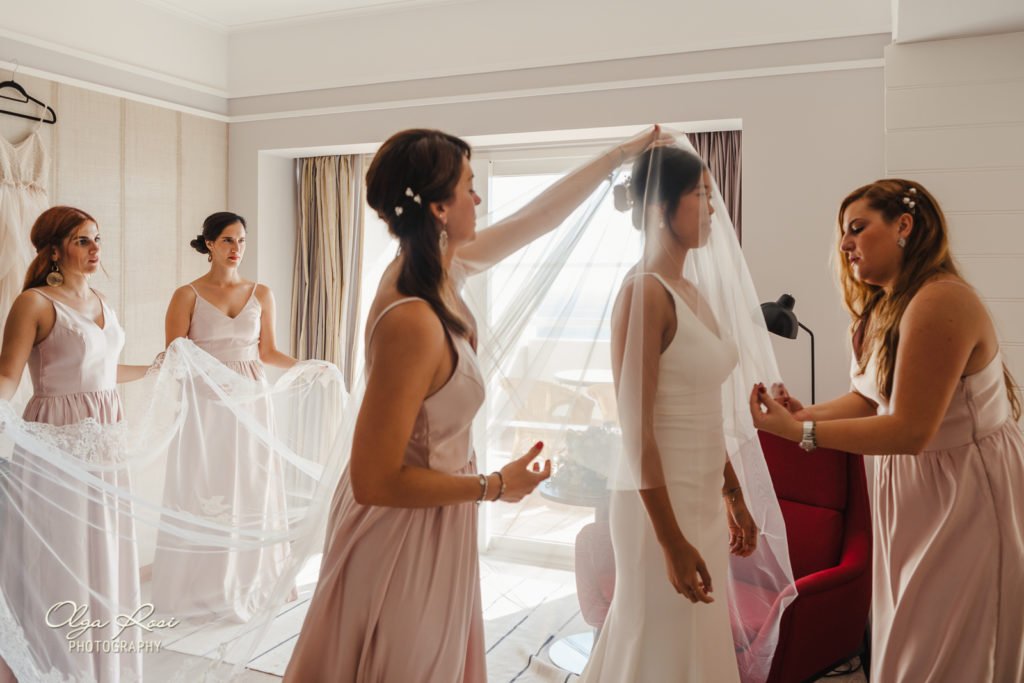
x=653 y=634
x=24 y=167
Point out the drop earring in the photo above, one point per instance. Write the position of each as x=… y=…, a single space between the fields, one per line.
x=54 y=278
x=442 y=241
x=901 y=242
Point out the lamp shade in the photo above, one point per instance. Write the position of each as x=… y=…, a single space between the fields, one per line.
x=779 y=316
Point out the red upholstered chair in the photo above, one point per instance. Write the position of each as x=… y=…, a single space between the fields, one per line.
x=824 y=501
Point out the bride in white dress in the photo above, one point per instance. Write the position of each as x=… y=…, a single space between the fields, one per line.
x=677 y=506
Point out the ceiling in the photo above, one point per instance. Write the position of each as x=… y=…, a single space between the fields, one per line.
x=231 y=15
x=919 y=20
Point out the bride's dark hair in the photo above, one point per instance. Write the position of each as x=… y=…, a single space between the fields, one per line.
x=667 y=173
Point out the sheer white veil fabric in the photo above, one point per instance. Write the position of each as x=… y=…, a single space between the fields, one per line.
x=86 y=510
x=547 y=325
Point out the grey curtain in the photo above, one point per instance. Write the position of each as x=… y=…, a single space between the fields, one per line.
x=722 y=152
x=328 y=260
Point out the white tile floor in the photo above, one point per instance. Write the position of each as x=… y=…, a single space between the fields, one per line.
x=526 y=609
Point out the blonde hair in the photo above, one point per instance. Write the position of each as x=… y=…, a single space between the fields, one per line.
x=925 y=256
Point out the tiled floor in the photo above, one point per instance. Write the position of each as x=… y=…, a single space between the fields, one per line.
x=526 y=609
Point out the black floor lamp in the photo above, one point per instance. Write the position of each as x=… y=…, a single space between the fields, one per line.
x=780 y=319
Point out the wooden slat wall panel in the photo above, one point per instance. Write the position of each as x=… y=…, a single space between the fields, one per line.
x=88 y=161
x=204 y=170
x=955 y=122
x=150 y=249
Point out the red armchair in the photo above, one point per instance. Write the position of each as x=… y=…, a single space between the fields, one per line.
x=824 y=501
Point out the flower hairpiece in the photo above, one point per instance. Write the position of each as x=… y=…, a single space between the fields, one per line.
x=415 y=197
x=910 y=199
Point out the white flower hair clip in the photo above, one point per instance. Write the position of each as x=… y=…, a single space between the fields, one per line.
x=415 y=197
x=910 y=199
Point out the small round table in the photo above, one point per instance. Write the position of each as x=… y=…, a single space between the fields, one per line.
x=584 y=378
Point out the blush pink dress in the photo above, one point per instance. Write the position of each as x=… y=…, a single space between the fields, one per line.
x=948 y=588
x=228 y=476
x=72 y=541
x=398 y=599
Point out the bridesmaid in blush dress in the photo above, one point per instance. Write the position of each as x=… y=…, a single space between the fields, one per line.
x=932 y=397
x=213 y=469
x=66 y=542
x=398 y=600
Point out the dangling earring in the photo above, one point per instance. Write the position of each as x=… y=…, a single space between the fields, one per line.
x=209 y=257
x=54 y=278
x=442 y=241
x=901 y=242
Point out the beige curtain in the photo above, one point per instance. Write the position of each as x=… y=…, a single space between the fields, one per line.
x=722 y=152
x=328 y=260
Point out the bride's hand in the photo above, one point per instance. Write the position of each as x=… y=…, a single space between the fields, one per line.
x=742 y=528
x=687 y=571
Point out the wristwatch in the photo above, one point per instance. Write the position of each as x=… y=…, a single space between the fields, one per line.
x=810 y=439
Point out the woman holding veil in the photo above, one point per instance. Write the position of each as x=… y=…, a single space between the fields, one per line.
x=690 y=485
x=70 y=339
x=232 y=319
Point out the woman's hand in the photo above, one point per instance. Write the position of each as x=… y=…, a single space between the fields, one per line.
x=687 y=571
x=157 y=364
x=638 y=143
x=521 y=478
x=771 y=416
x=742 y=528
x=782 y=396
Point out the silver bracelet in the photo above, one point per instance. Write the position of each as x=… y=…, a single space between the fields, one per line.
x=810 y=436
x=483 y=487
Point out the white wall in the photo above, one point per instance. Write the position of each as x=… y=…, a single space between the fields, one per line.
x=133 y=36
x=484 y=36
x=809 y=138
x=955 y=122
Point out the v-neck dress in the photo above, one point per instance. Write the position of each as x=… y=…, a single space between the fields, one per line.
x=63 y=539
x=220 y=472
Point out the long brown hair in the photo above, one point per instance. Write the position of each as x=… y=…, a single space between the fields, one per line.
x=424 y=164
x=877 y=313
x=48 y=234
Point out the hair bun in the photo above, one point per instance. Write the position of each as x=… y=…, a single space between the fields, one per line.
x=199 y=244
x=621 y=196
